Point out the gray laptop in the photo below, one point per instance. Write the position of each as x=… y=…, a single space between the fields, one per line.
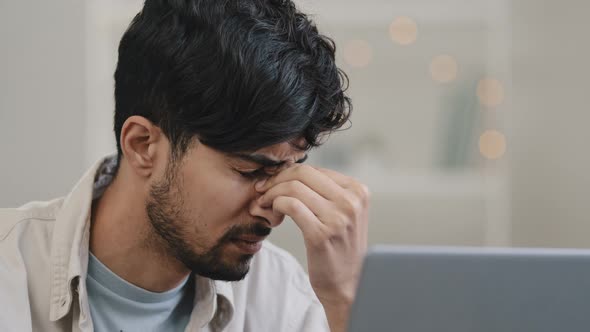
x=464 y=289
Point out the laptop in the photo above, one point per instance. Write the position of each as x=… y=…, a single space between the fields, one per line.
x=464 y=289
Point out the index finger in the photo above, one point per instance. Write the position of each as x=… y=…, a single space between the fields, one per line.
x=311 y=177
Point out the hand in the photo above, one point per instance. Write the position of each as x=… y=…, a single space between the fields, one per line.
x=331 y=210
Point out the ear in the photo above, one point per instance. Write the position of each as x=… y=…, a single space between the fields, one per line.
x=142 y=143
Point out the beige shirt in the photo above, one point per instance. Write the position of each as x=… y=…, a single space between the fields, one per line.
x=43 y=269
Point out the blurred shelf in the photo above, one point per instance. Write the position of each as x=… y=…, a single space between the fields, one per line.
x=467 y=184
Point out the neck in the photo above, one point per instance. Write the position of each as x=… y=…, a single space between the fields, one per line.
x=122 y=239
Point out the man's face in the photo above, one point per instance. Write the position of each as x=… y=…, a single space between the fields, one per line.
x=204 y=212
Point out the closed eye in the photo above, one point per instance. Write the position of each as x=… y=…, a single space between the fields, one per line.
x=255 y=175
x=261 y=173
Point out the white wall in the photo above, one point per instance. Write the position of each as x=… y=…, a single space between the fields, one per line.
x=551 y=159
x=42 y=98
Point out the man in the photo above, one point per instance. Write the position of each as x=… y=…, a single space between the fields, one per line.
x=217 y=103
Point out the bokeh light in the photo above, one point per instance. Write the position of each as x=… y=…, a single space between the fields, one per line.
x=443 y=68
x=492 y=144
x=403 y=30
x=490 y=92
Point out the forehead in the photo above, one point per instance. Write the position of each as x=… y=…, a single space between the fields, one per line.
x=282 y=151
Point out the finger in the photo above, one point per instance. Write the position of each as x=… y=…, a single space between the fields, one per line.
x=363 y=233
x=296 y=189
x=359 y=191
x=310 y=226
x=347 y=182
x=362 y=193
x=311 y=177
x=341 y=179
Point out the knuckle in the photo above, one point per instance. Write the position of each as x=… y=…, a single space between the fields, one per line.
x=359 y=198
x=320 y=240
x=319 y=246
x=295 y=187
x=317 y=242
x=364 y=189
x=350 y=181
x=293 y=205
x=351 y=205
x=303 y=169
x=364 y=193
x=346 y=226
x=330 y=234
x=342 y=225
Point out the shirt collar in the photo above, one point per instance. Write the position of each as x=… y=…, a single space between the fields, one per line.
x=69 y=254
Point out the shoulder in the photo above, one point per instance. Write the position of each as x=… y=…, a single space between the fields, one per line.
x=36 y=212
x=25 y=238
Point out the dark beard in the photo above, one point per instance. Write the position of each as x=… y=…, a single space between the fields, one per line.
x=164 y=210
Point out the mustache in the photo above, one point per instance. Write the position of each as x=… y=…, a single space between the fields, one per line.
x=257 y=229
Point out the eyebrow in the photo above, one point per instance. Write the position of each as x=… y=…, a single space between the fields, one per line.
x=264 y=160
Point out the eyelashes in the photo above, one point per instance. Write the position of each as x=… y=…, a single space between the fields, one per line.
x=255 y=175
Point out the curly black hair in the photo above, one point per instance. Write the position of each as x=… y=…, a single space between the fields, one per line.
x=238 y=75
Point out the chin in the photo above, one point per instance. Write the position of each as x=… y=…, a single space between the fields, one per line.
x=227 y=274
x=227 y=269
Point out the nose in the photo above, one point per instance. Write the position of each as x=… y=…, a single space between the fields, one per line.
x=273 y=218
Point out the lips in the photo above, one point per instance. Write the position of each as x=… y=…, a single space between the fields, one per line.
x=248 y=244
x=250 y=238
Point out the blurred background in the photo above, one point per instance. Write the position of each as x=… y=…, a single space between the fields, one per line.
x=469 y=120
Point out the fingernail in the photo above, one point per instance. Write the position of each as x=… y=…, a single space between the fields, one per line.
x=263 y=203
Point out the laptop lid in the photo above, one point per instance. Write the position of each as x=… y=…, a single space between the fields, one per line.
x=460 y=289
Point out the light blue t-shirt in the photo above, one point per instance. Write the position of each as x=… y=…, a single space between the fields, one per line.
x=116 y=305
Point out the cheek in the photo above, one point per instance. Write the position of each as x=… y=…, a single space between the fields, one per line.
x=216 y=204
